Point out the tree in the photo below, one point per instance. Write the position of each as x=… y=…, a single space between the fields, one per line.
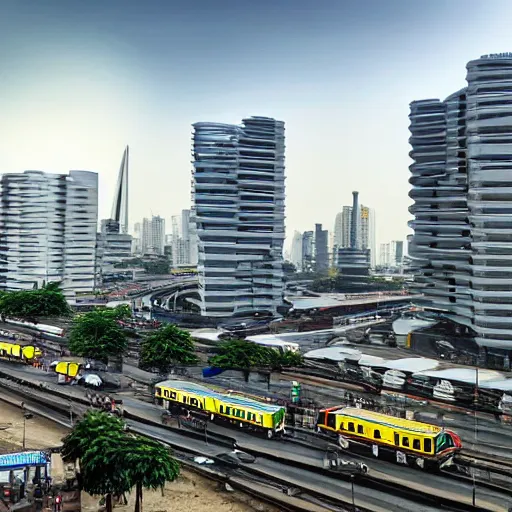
x=149 y=465
x=29 y=304
x=165 y=348
x=97 y=335
x=91 y=438
x=159 y=266
x=113 y=461
x=245 y=355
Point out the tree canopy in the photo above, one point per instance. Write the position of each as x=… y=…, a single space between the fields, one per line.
x=244 y=355
x=30 y=304
x=166 y=348
x=113 y=461
x=97 y=334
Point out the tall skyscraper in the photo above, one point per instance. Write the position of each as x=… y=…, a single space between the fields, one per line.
x=321 y=248
x=153 y=235
x=238 y=181
x=366 y=229
x=296 y=252
x=48 y=225
x=461 y=186
x=120 y=204
x=308 y=253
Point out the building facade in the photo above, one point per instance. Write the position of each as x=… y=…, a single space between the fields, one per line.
x=321 y=248
x=48 y=225
x=461 y=249
x=308 y=251
x=153 y=236
x=238 y=192
x=296 y=251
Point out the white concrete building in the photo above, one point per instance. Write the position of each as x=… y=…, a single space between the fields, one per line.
x=153 y=236
x=238 y=182
x=48 y=226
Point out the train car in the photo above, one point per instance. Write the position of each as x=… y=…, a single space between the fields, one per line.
x=237 y=410
x=17 y=352
x=405 y=441
x=42 y=328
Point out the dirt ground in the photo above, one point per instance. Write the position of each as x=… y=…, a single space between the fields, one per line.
x=189 y=492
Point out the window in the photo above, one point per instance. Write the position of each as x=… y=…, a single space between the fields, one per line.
x=416 y=444
x=427 y=445
x=221 y=409
x=405 y=441
x=351 y=427
x=376 y=434
x=184 y=399
x=331 y=420
x=397 y=439
x=360 y=429
x=443 y=441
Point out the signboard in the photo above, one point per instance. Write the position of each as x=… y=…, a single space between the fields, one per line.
x=22 y=459
x=401 y=458
x=375 y=450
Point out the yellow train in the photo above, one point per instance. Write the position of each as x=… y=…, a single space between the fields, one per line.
x=244 y=412
x=405 y=441
x=17 y=352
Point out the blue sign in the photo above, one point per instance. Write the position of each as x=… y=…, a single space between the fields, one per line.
x=22 y=459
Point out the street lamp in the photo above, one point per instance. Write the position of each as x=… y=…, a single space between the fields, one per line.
x=26 y=416
x=352 y=476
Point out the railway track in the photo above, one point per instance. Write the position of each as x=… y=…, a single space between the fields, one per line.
x=224 y=441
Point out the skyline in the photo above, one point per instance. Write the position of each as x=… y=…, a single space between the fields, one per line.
x=80 y=82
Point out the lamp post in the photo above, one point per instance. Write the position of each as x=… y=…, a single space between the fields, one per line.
x=352 y=476
x=26 y=416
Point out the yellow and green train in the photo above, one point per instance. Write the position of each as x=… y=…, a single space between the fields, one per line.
x=17 y=352
x=244 y=412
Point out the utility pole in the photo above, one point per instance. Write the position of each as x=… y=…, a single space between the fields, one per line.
x=476 y=404
x=352 y=476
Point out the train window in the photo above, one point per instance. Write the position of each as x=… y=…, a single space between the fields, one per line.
x=166 y=393
x=351 y=427
x=416 y=444
x=331 y=420
x=342 y=426
x=405 y=441
x=194 y=402
x=360 y=429
x=443 y=442
x=376 y=434
x=221 y=409
x=228 y=411
x=427 y=445
x=397 y=439
x=173 y=395
x=184 y=399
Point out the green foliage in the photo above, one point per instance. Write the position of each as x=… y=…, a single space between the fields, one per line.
x=113 y=461
x=159 y=266
x=165 y=348
x=29 y=304
x=244 y=355
x=97 y=335
x=94 y=424
x=340 y=283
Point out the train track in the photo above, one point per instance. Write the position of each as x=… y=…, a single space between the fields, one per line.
x=227 y=441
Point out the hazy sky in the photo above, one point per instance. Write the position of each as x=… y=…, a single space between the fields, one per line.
x=80 y=79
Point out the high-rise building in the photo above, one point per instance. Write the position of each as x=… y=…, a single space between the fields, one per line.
x=308 y=252
x=296 y=252
x=153 y=236
x=137 y=238
x=48 y=226
x=183 y=239
x=321 y=248
x=238 y=181
x=365 y=227
x=120 y=205
x=391 y=254
x=461 y=181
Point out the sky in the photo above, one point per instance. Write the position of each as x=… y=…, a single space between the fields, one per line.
x=79 y=80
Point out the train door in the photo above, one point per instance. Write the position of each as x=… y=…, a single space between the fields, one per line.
x=397 y=439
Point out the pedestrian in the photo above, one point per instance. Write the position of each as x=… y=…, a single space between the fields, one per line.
x=58 y=502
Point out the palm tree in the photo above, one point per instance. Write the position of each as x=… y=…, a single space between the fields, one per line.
x=149 y=465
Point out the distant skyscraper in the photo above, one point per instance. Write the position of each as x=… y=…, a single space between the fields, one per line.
x=48 y=225
x=308 y=251
x=366 y=230
x=153 y=235
x=120 y=204
x=321 y=248
x=296 y=252
x=239 y=212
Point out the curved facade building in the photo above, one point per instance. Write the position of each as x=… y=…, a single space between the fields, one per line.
x=489 y=128
x=48 y=226
x=238 y=181
x=462 y=191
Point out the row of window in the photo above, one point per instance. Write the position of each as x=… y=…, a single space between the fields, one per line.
x=403 y=441
x=187 y=400
x=240 y=413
